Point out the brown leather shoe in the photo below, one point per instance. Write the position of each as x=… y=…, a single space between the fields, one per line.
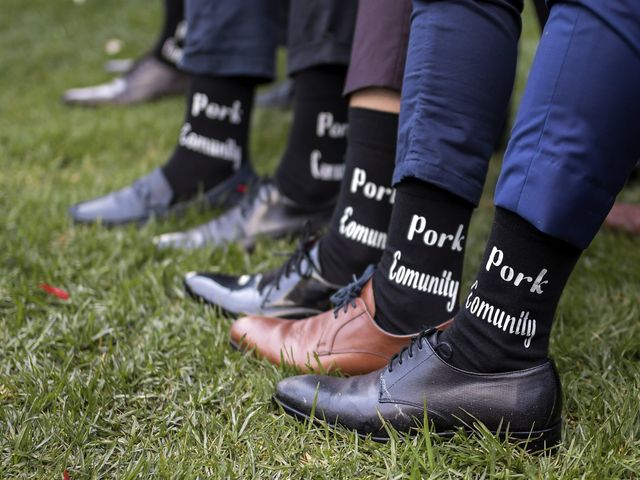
x=345 y=339
x=624 y=217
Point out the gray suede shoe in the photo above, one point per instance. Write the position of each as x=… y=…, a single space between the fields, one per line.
x=264 y=212
x=148 y=79
x=150 y=196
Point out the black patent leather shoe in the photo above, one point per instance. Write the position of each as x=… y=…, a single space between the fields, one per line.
x=524 y=406
x=264 y=212
x=295 y=290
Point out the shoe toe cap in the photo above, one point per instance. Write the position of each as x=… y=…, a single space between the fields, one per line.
x=243 y=331
x=235 y=295
x=95 y=95
x=300 y=394
x=203 y=286
x=115 y=208
x=264 y=334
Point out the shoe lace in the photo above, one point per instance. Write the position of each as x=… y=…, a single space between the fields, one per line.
x=347 y=295
x=299 y=261
x=442 y=348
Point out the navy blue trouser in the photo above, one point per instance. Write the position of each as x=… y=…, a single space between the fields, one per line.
x=576 y=136
x=577 y=133
x=231 y=37
x=240 y=37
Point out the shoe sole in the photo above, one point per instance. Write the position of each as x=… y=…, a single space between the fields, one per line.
x=535 y=441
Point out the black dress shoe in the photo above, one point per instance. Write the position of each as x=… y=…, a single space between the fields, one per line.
x=295 y=290
x=151 y=195
x=522 y=405
x=265 y=212
x=148 y=79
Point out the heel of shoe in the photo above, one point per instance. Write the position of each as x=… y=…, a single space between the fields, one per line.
x=545 y=441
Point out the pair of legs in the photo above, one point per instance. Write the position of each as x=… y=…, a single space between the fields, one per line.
x=572 y=148
x=227 y=53
x=357 y=230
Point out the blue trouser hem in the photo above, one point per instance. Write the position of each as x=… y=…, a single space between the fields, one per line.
x=454 y=100
x=229 y=65
x=541 y=200
x=320 y=33
x=575 y=138
x=317 y=53
x=445 y=178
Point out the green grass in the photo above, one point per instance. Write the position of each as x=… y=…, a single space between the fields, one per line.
x=130 y=379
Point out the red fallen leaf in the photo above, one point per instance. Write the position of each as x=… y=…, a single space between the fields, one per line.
x=241 y=188
x=57 y=292
x=65 y=475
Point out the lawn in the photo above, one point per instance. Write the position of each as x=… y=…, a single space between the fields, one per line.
x=128 y=378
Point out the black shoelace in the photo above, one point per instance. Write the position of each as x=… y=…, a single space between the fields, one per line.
x=443 y=348
x=346 y=296
x=299 y=261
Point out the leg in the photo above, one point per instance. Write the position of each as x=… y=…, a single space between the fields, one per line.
x=152 y=76
x=303 y=188
x=357 y=230
x=169 y=46
x=573 y=146
x=575 y=101
x=320 y=37
x=430 y=234
x=227 y=52
x=453 y=107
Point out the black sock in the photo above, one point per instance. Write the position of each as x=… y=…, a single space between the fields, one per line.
x=213 y=140
x=313 y=163
x=168 y=47
x=358 y=230
x=505 y=321
x=417 y=282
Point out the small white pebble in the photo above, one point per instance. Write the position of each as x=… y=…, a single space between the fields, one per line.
x=113 y=46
